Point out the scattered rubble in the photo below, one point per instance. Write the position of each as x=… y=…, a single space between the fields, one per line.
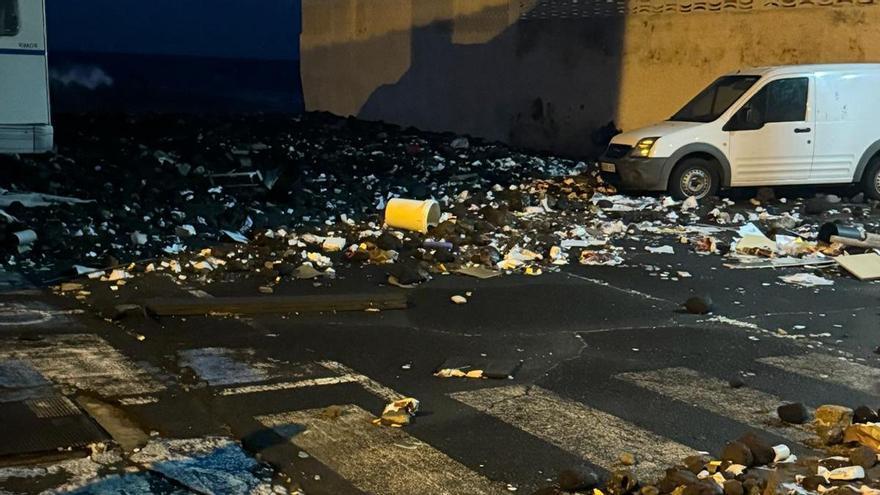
x=180 y=194
x=750 y=465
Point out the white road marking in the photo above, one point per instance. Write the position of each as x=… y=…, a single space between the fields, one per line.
x=591 y=434
x=270 y=387
x=831 y=369
x=81 y=361
x=138 y=400
x=368 y=383
x=380 y=460
x=631 y=292
x=745 y=405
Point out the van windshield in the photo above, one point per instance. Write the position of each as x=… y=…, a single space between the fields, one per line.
x=716 y=99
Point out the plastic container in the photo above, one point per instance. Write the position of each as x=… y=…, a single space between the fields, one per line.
x=410 y=214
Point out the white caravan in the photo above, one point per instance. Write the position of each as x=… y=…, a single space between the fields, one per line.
x=809 y=124
x=25 y=124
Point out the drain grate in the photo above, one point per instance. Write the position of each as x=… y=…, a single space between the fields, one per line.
x=45 y=425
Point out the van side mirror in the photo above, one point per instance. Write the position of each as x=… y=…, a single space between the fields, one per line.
x=745 y=119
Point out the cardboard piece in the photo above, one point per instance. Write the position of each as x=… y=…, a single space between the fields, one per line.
x=478 y=272
x=862 y=266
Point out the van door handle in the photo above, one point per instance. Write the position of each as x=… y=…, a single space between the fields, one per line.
x=802 y=130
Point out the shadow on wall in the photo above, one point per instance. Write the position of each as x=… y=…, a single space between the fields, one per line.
x=506 y=72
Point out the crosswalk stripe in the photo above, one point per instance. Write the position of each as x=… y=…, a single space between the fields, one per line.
x=83 y=361
x=829 y=368
x=591 y=434
x=376 y=459
x=271 y=387
x=745 y=405
x=372 y=386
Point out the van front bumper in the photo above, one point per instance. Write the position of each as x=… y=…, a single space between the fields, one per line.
x=646 y=174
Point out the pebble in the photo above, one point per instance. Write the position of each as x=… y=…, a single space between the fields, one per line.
x=794 y=413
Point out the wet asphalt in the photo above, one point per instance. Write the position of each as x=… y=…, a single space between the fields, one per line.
x=572 y=331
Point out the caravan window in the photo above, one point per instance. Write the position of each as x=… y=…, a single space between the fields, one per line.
x=9 y=21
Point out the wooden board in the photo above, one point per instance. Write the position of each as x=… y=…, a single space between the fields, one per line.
x=862 y=266
x=274 y=304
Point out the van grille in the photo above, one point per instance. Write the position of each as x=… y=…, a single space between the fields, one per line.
x=618 y=150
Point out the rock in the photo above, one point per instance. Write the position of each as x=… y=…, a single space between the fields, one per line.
x=864 y=414
x=762 y=452
x=495 y=216
x=858 y=198
x=458 y=299
x=765 y=195
x=387 y=241
x=577 y=478
x=830 y=435
x=863 y=456
x=736 y=382
x=812 y=483
x=446 y=230
x=698 y=305
x=285 y=269
x=738 y=453
x=489 y=256
x=702 y=487
x=627 y=459
x=816 y=206
x=676 y=477
x=443 y=255
x=794 y=413
x=696 y=463
x=834 y=416
x=408 y=273
x=733 y=487
x=832 y=198
x=622 y=482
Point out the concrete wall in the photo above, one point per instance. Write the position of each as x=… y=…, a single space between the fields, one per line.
x=546 y=73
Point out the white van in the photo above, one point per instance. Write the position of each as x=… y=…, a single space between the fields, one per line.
x=809 y=124
x=25 y=124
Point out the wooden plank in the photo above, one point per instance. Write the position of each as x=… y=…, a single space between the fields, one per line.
x=274 y=304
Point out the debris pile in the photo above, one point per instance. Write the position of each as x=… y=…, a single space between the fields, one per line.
x=203 y=199
x=751 y=466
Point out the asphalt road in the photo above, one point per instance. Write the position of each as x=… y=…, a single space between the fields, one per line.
x=607 y=363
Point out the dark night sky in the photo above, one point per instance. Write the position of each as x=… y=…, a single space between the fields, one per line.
x=263 y=29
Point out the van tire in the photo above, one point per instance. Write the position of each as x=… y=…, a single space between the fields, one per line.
x=871 y=179
x=690 y=175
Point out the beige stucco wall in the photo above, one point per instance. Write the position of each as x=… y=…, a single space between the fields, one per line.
x=477 y=67
x=669 y=58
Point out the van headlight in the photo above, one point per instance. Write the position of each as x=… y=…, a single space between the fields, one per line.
x=643 y=148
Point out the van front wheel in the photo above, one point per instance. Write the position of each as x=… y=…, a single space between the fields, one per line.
x=871 y=179
x=697 y=177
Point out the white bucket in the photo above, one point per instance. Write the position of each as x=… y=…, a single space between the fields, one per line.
x=410 y=214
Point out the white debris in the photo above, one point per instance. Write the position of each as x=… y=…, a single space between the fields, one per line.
x=332 y=244
x=660 y=249
x=806 y=280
